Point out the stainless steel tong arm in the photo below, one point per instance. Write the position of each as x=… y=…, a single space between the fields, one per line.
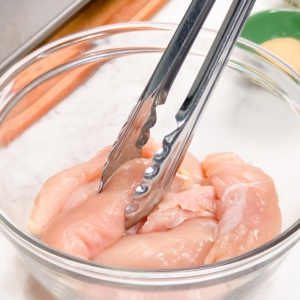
x=136 y=131
x=167 y=160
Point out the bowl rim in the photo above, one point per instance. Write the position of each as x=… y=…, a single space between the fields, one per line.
x=283 y=241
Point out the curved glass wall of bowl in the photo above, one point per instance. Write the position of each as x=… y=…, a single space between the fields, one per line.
x=242 y=116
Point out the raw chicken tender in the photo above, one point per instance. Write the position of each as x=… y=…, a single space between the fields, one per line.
x=175 y=208
x=248 y=212
x=58 y=188
x=183 y=246
x=97 y=223
x=213 y=211
x=86 y=222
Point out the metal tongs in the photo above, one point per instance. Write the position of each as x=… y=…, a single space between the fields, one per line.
x=136 y=131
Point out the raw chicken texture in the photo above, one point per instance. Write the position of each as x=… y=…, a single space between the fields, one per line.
x=214 y=210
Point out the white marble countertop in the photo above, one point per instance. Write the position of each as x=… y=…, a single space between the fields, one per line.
x=16 y=282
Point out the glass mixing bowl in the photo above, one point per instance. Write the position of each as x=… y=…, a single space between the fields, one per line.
x=77 y=92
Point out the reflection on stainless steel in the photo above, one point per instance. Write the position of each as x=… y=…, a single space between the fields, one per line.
x=166 y=161
x=135 y=133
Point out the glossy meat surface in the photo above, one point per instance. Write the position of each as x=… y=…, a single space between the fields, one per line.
x=214 y=210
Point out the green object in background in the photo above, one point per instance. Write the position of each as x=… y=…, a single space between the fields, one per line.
x=270 y=24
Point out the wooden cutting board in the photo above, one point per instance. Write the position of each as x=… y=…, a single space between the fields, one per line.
x=37 y=103
x=103 y=12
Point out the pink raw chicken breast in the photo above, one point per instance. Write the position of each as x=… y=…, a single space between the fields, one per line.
x=183 y=246
x=175 y=208
x=74 y=185
x=248 y=212
x=70 y=187
x=89 y=222
x=81 y=194
x=213 y=211
x=98 y=222
x=58 y=188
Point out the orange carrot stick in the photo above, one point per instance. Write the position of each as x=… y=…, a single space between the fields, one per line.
x=38 y=68
x=149 y=10
x=67 y=83
x=42 y=99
